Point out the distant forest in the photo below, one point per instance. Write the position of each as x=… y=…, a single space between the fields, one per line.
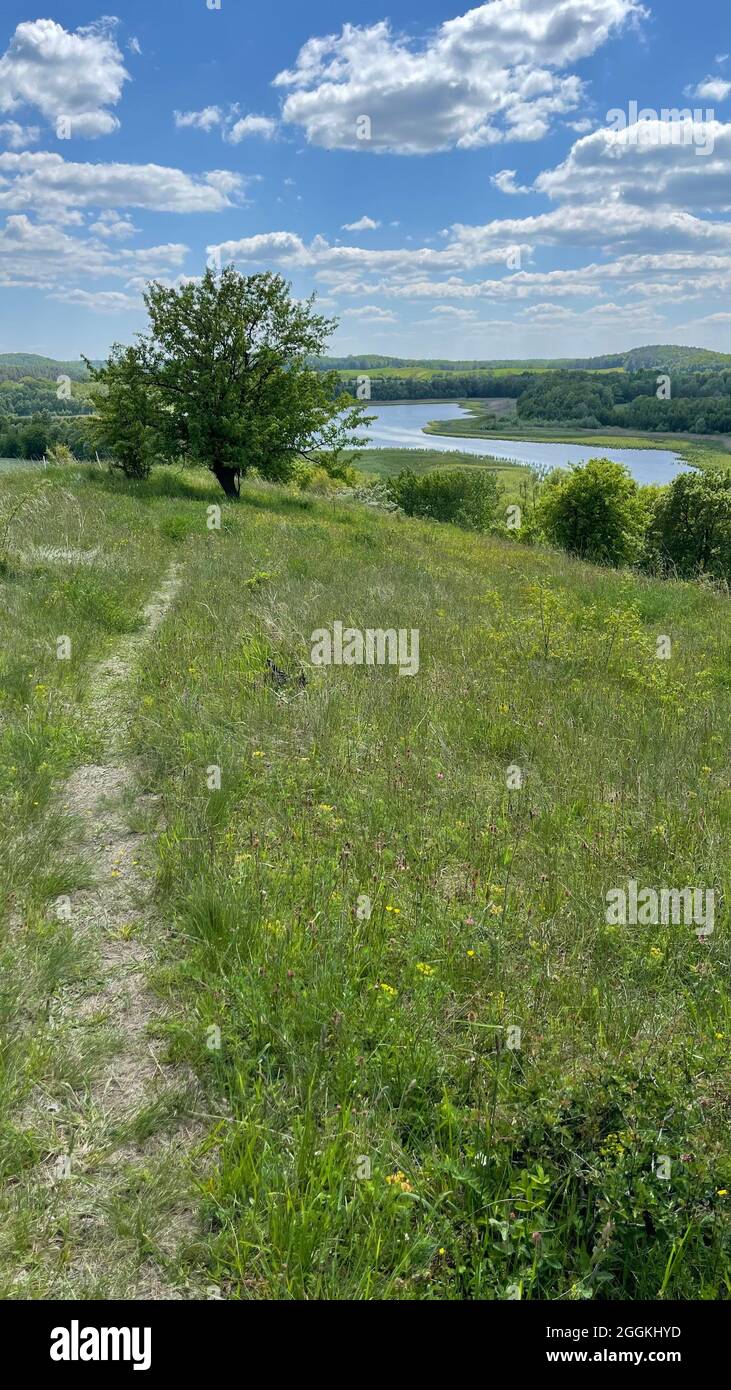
x=29 y=385
x=698 y=401
x=623 y=390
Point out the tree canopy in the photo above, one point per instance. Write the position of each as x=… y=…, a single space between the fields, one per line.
x=594 y=510
x=224 y=372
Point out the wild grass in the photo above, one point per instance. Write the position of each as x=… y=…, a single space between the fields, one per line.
x=378 y=1137
x=387 y=463
x=376 y=1130
x=51 y=588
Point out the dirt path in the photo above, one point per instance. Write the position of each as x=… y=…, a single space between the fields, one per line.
x=117 y=1204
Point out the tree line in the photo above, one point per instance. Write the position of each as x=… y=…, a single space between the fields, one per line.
x=451 y=385
x=37 y=436
x=696 y=401
x=598 y=512
x=34 y=396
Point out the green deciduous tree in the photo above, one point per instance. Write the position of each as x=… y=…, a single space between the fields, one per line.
x=226 y=368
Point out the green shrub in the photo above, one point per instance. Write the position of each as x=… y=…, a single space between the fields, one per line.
x=60 y=454
x=468 y=499
x=690 y=531
x=176 y=528
x=314 y=477
x=594 y=510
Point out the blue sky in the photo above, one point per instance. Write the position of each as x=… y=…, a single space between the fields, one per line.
x=451 y=181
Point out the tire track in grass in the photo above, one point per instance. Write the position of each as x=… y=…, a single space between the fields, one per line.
x=115 y=1200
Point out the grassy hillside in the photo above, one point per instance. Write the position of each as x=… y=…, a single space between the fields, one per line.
x=365 y=1121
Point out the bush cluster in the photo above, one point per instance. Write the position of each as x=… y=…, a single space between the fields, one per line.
x=468 y=499
x=595 y=511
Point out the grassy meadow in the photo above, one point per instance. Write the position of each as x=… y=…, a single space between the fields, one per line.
x=388 y=463
x=427 y=1067
x=426 y=373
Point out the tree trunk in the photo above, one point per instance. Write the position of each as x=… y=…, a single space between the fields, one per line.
x=228 y=478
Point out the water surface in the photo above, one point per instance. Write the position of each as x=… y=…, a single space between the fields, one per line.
x=400 y=426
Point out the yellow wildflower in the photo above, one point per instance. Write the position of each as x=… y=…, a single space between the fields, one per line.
x=399 y=1180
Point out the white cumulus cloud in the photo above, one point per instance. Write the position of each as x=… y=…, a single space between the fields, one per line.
x=17 y=136
x=99 y=301
x=233 y=126
x=47 y=257
x=50 y=183
x=372 y=313
x=206 y=119
x=262 y=126
x=489 y=75
x=113 y=227
x=710 y=89
x=450 y=311
x=505 y=181
x=686 y=163
x=364 y=224
x=75 y=75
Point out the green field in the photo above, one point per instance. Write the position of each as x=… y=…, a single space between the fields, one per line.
x=426 y=373
x=387 y=463
x=477 y=1089
x=6 y=465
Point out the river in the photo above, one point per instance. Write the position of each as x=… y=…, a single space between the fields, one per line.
x=400 y=426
